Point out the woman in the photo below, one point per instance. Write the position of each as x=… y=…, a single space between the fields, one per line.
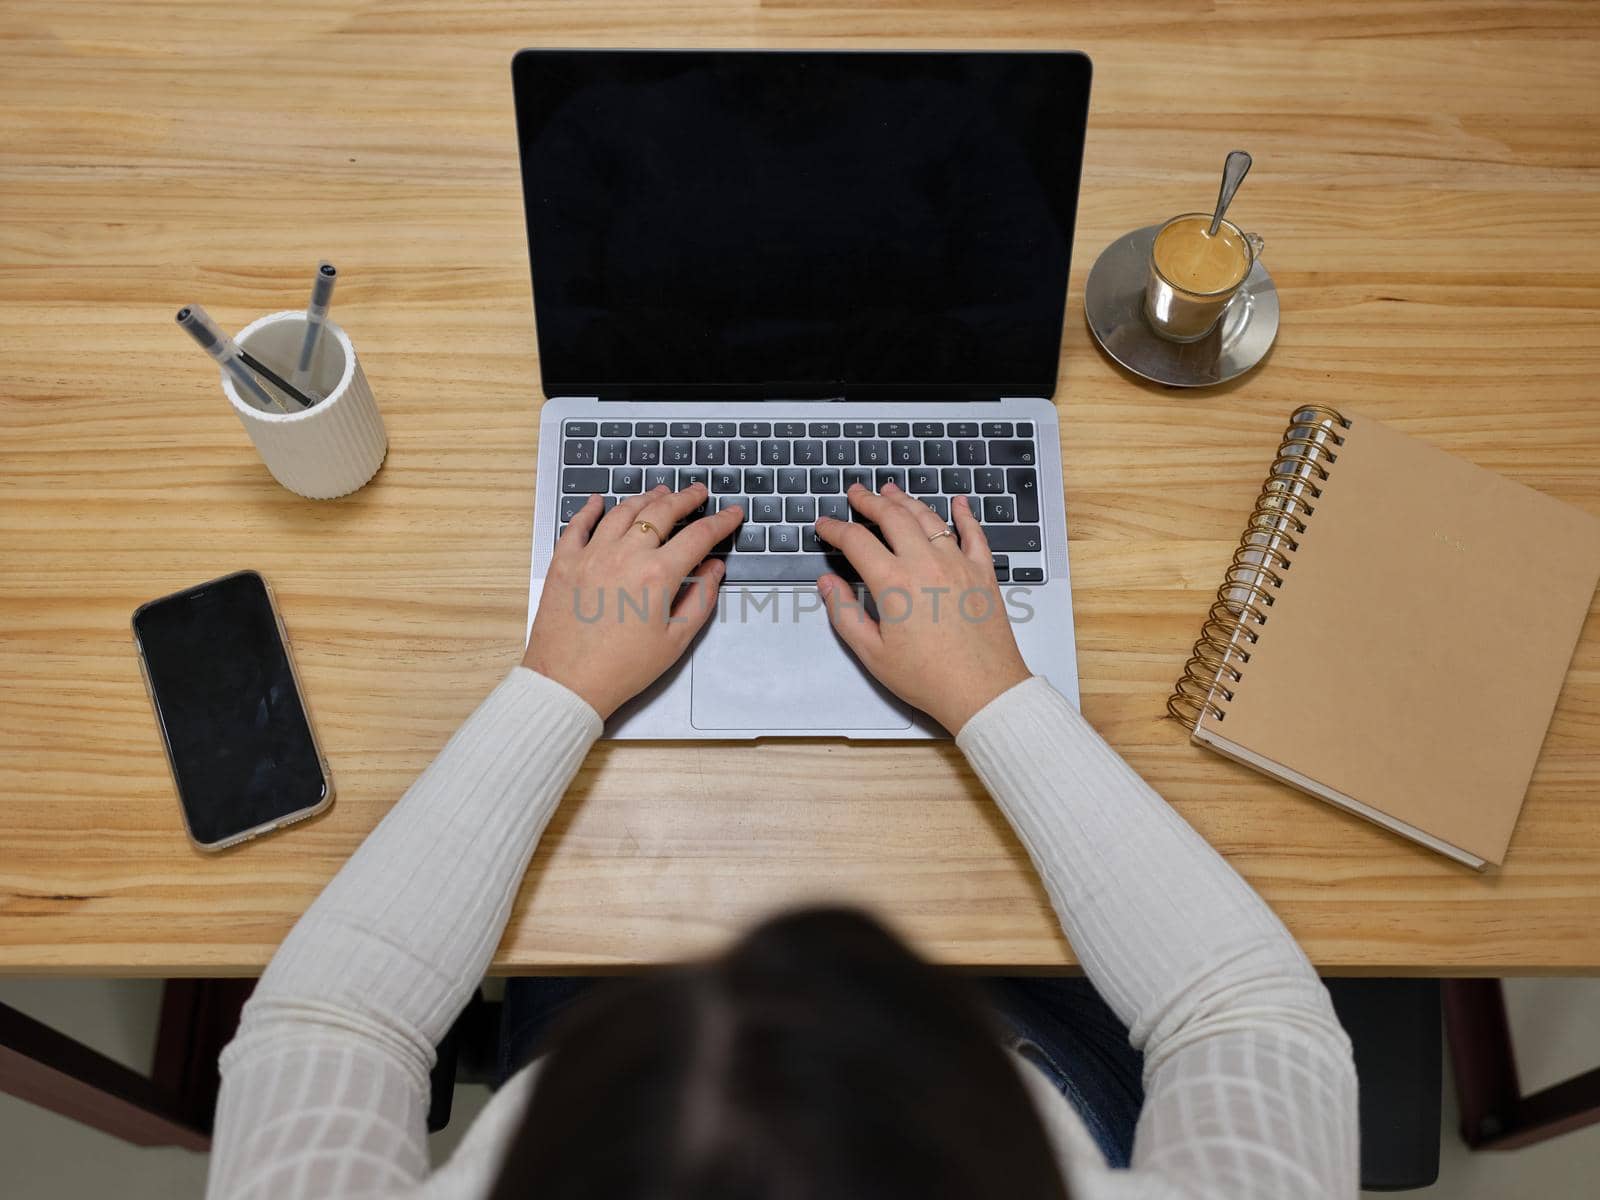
x=816 y=1059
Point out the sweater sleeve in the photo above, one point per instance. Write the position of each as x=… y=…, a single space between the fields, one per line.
x=1250 y=1088
x=325 y=1085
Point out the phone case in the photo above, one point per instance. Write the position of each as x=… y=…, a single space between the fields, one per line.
x=166 y=744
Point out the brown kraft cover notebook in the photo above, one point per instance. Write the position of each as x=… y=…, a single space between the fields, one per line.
x=1392 y=633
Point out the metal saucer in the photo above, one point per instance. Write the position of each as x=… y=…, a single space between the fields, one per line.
x=1113 y=303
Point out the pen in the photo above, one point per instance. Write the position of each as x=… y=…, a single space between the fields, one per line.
x=276 y=380
x=221 y=347
x=316 y=317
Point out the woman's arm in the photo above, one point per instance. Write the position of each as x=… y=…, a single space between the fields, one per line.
x=325 y=1086
x=1250 y=1088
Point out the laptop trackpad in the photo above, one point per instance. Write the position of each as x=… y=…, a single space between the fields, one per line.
x=771 y=661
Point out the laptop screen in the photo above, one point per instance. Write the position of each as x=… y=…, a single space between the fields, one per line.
x=771 y=224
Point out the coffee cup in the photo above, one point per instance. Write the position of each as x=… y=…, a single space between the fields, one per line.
x=1194 y=274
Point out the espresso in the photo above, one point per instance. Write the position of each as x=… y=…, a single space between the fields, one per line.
x=1189 y=258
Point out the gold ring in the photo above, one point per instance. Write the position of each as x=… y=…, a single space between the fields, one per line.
x=652 y=530
x=934 y=537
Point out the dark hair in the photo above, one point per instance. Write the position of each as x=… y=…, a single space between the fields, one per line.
x=818 y=1058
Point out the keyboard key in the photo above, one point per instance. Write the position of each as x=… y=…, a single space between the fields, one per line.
x=997 y=429
x=616 y=429
x=696 y=513
x=583 y=480
x=644 y=454
x=808 y=454
x=905 y=454
x=988 y=481
x=684 y=429
x=710 y=454
x=927 y=429
x=742 y=503
x=559 y=531
x=755 y=429
x=873 y=454
x=1024 y=429
x=570 y=506
x=758 y=480
x=1001 y=560
x=961 y=429
x=784 y=539
x=825 y=480
x=810 y=543
x=955 y=481
x=857 y=475
x=774 y=454
x=752 y=539
x=971 y=454
x=922 y=481
x=858 y=429
x=744 y=453
x=893 y=429
x=892 y=475
x=578 y=454
x=823 y=429
x=657 y=476
x=766 y=510
x=690 y=476
x=789 y=429
x=999 y=509
x=1014 y=539
x=787 y=568
x=940 y=505
x=939 y=454
x=580 y=429
x=791 y=480
x=627 y=481
x=800 y=510
x=1027 y=575
x=841 y=454
x=1007 y=454
x=726 y=481
x=1023 y=483
x=609 y=502
x=677 y=452
x=613 y=452
x=650 y=429
x=836 y=507
x=1002 y=573
x=721 y=429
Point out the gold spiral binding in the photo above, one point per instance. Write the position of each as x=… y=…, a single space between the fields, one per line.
x=1260 y=564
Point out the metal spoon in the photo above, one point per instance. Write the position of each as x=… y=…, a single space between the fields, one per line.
x=1234 y=170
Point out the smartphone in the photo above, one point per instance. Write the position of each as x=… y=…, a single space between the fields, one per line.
x=228 y=704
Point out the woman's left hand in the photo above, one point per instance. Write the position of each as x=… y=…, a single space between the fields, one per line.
x=625 y=596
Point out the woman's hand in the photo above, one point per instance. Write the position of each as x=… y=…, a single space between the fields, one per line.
x=942 y=640
x=621 y=604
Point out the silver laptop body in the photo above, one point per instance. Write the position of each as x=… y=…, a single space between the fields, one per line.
x=595 y=126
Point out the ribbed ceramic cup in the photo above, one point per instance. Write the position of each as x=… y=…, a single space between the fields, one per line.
x=331 y=448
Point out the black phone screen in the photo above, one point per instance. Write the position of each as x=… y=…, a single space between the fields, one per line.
x=237 y=733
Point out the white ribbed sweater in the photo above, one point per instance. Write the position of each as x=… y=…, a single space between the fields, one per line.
x=1250 y=1089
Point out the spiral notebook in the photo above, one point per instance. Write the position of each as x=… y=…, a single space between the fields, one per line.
x=1392 y=633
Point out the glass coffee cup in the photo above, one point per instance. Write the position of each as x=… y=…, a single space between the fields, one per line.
x=1193 y=275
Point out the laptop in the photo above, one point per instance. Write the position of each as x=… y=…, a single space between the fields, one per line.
x=779 y=273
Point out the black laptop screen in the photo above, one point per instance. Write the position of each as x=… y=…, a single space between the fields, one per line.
x=799 y=224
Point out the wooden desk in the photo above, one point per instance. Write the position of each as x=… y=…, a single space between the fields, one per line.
x=153 y=158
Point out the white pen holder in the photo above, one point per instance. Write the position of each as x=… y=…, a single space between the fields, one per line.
x=336 y=445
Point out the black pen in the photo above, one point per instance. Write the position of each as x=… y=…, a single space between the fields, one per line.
x=316 y=317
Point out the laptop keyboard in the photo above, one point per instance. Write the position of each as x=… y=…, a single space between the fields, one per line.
x=785 y=474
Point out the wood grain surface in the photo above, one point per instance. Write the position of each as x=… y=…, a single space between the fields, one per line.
x=1428 y=183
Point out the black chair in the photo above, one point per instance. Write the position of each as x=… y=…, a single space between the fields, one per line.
x=1394 y=1028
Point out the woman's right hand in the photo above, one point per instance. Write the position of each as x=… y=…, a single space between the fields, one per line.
x=942 y=640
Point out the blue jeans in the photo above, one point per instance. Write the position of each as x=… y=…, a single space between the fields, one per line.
x=1061 y=1026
